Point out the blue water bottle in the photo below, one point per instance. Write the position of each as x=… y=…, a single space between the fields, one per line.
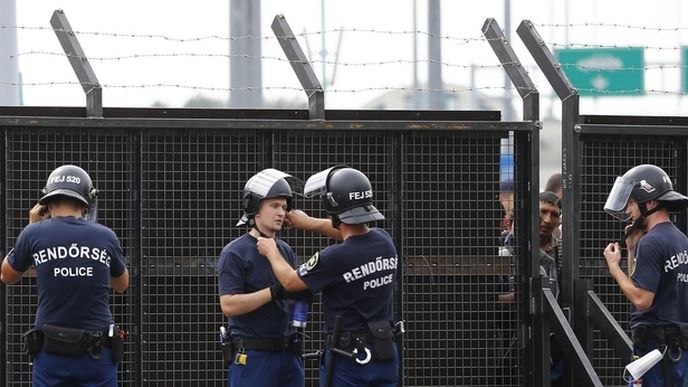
x=299 y=314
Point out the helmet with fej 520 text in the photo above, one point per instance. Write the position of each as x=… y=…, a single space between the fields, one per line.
x=346 y=194
x=69 y=181
x=266 y=184
x=643 y=183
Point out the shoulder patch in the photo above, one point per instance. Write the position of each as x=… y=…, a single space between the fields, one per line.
x=312 y=262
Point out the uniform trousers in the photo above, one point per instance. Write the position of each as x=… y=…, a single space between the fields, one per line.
x=348 y=373
x=268 y=369
x=53 y=370
x=678 y=371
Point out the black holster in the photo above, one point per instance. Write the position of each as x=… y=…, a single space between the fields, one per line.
x=117 y=342
x=382 y=340
x=33 y=342
x=227 y=350
x=684 y=337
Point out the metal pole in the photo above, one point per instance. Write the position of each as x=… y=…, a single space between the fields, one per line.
x=570 y=174
x=245 y=70
x=415 y=94
x=9 y=69
x=323 y=50
x=80 y=65
x=435 y=95
x=507 y=108
x=302 y=68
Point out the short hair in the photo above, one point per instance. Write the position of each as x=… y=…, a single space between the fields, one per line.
x=551 y=198
x=554 y=183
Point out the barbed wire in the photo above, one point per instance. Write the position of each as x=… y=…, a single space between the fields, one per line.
x=589 y=91
x=331 y=62
x=267 y=88
x=464 y=40
x=254 y=57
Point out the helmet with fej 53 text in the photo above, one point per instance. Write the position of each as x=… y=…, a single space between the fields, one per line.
x=346 y=194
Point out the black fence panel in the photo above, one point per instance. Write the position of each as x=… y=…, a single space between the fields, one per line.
x=603 y=157
x=459 y=335
x=30 y=156
x=172 y=194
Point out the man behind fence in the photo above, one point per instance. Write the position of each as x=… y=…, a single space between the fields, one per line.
x=74 y=342
x=356 y=278
x=262 y=348
x=658 y=265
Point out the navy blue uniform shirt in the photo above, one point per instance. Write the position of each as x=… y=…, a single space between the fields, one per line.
x=662 y=268
x=74 y=260
x=243 y=270
x=356 y=277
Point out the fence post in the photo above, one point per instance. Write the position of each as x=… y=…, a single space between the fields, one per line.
x=304 y=71
x=80 y=65
x=570 y=101
x=529 y=173
x=3 y=246
x=571 y=184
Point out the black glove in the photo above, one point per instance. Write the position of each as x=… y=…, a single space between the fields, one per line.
x=277 y=292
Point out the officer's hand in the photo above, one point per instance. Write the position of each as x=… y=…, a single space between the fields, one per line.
x=634 y=237
x=38 y=212
x=298 y=219
x=612 y=254
x=267 y=246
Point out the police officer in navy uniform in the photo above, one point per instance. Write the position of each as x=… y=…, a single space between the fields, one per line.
x=264 y=349
x=657 y=285
x=356 y=278
x=76 y=262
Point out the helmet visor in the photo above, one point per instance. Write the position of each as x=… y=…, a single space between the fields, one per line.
x=91 y=214
x=316 y=185
x=618 y=199
x=262 y=182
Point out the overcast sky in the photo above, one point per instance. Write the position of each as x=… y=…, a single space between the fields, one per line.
x=461 y=22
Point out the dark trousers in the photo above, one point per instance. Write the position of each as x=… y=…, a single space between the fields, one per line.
x=268 y=369
x=678 y=371
x=348 y=373
x=51 y=370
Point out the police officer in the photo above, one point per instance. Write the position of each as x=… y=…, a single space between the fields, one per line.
x=356 y=278
x=76 y=263
x=657 y=285
x=264 y=349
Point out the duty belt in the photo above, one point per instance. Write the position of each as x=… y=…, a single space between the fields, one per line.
x=273 y=345
x=349 y=340
x=674 y=337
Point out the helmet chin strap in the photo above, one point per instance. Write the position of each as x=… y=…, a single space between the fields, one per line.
x=262 y=234
x=335 y=221
x=254 y=225
x=638 y=224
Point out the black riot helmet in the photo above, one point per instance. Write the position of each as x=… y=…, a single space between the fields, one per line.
x=69 y=181
x=266 y=184
x=346 y=194
x=643 y=183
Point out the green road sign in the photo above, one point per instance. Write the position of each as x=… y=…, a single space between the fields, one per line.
x=604 y=71
x=684 y=73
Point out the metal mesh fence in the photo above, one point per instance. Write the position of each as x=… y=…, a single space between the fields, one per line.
x=30 y=156
x=459 y=335
x=603 y=157
x=173 y=198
